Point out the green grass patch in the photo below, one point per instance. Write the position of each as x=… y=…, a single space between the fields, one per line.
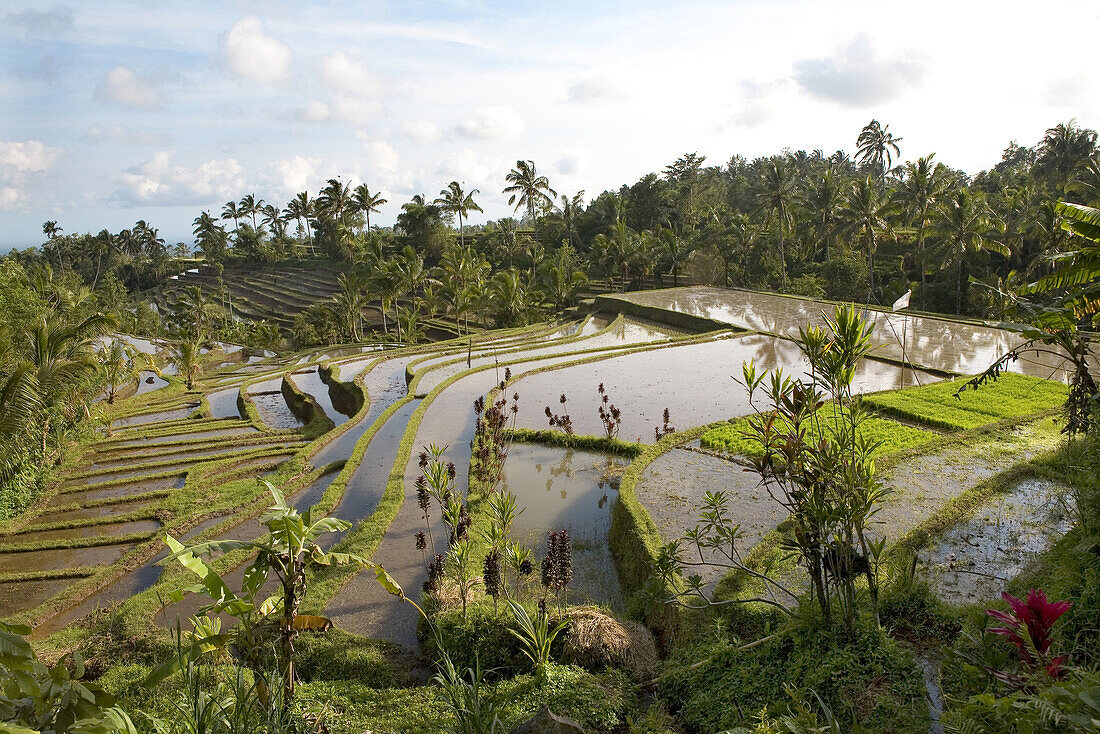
x=1011 y=396
x=892 y=436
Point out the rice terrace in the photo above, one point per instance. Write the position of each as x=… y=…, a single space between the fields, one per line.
x=794 y=441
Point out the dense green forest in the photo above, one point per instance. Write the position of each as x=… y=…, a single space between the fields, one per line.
x=864 y=228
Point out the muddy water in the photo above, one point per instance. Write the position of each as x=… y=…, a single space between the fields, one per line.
x=55 y=559
x=223 y=403
x=121 y=490
x=150 y=382
x=193 y=435
x=973 y=560
x=311 y=384
x=930 y=342
x=274 y=411
x=695 y=382
x=192 y=454
x=568 y=489
x=361 y=606
x=88 y=531
x=168 y=415
x=384 y=385
x=672 y=488
x=367 y=484
x=86 y=513
x=19 y=596
x=626 y=333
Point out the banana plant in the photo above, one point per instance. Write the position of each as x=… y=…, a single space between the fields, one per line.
x=289 y=552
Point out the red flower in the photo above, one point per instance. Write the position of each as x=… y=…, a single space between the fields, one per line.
x=1037 y=615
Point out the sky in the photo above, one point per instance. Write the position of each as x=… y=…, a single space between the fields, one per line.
x=113 y=111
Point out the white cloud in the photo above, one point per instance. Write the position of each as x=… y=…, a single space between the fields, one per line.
x=573 y=162
x=251 y=54
x=292 y=175
x=125 y=87
x=122 y=134
x=596 y=88
x=381 y=155
x=857 y=75
x=465 y=166
x=493 y=123
x=21 y=163
x=344 y=73
x=157 y=182
x=27 y=156
x=343 y=108
x=421 y=131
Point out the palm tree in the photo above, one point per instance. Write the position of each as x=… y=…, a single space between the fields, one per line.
x=350 y=301
x=674 y=250
x=966 y=225
x=570 y=210
x=184 y=356
x=383 y=282
x=59 y=361
x=456 y=201
x=921 y=187
x=335 y=198
x=821 y=201
x=250 y=206
x=367 y=202
x=210 y=237
x=232 y=211
x=120 y=365
x=196 y=310
x=1064 y=147
x=877 y=147
x=865 y=217
x=509 y=297
x=1087 y=181
x=408 y=267
x=777 y=193
x=615 y=253
x=273 y=217
x=528 y=189
x=51 y=230
x=301 y=208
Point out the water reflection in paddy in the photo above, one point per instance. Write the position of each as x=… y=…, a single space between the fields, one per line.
x=694 y=381
x=568 y=489
x=223 y=403
x=311 y=384
x=932 y=342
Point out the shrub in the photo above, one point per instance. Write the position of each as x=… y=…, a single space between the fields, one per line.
x=845 y=278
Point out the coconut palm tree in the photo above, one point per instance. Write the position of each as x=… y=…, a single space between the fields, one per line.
x=366 y=202
x=350 y=300
x=922 y=184
x=965 y=226
x=776 y=195
x=210 y=238
x=196 y=310
x=1062 y=149
x=184 y=356
x=456 y=201
x=250 y=206
x=876 y=147
x=571 y=208
x=820 y=201
x=865 y=216
x=384 y=283
x=232 y=211
x=408 y=267
x=528 y=189
x=509 y=297
x=301 y=208
x=120 y=365
x=60 y=360
x=335 y=198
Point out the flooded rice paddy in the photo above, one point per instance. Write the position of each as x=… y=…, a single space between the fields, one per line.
x=974 y=559
x=694 y=381
x=926 y=341
x=559 y=488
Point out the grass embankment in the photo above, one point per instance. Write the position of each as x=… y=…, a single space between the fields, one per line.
x=1010 y=396
x=736 y=437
